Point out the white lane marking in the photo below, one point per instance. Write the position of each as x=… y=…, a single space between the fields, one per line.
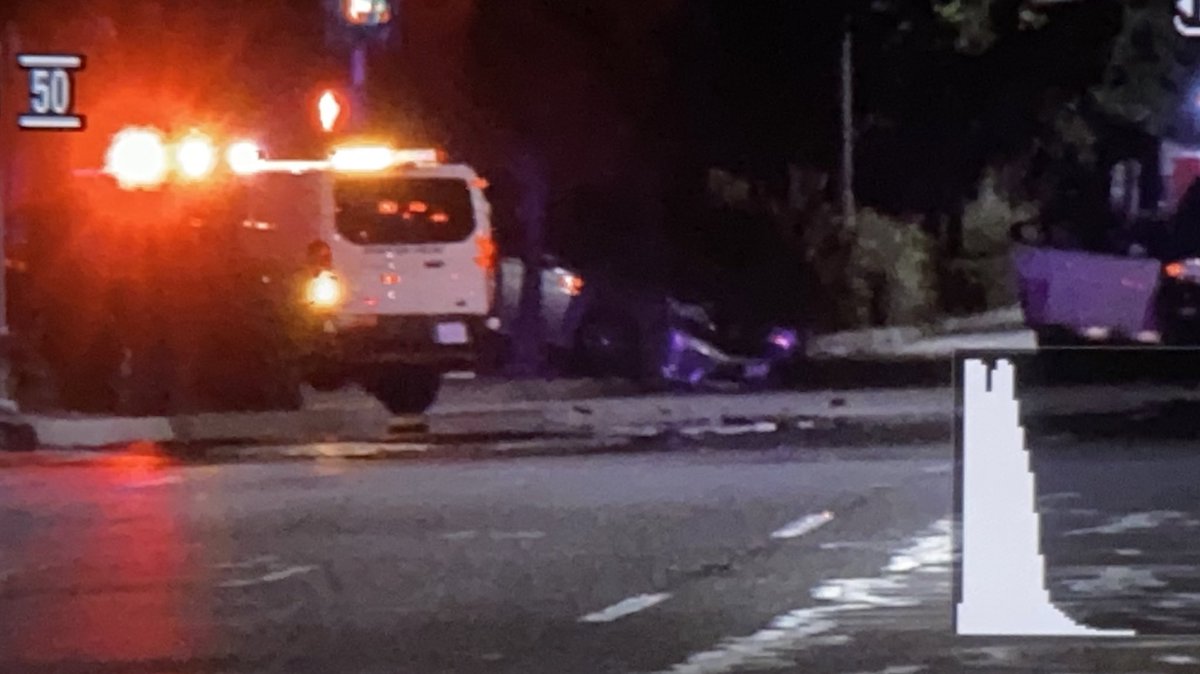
x=273 y=577
x=1060 y=496
x=1178 y=601
x=1146 y=520
x=1116 y=579
x=732 y=429
x=470 y=534
x=852 y=545
x=803 y=525
x=1178 y=660
x=516 y=535
x=625 y=607
x=807 y=627
x=924 y=553
x=637 y=431
x=159 y=482
x=987 y=655
x=865 y=592
x=899 y=669
x=940 y=469
x=1128 y=552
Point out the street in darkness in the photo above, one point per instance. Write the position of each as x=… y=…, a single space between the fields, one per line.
x=707 y=559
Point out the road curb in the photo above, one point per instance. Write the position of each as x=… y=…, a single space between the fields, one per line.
x=847 y=434
x=645 y=416
x=591 y=416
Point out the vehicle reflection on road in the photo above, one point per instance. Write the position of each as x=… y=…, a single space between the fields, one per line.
x=96 y=578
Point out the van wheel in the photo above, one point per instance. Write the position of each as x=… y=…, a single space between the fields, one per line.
x=325 y=378
x=410 y=390
x=17 y=437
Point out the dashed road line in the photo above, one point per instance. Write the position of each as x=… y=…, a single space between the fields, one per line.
x=273 y=577
x=516 y=535
x=625 y=607
x=845 y=603
x=803 y=525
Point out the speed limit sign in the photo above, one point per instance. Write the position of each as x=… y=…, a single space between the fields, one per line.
x=1187 y=17
x=51 y=92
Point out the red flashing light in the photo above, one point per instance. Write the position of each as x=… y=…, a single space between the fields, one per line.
x=486 y=259
x=367 y=12
x=331 y=109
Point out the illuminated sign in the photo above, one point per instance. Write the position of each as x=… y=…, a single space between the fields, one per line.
x=1187 y=17
x=367 y=12
x=51 y=92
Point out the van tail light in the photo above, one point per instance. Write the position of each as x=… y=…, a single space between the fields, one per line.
x=486 y=259
x=320 y=256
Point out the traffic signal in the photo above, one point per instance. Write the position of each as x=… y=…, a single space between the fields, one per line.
x=367 y=12
x=332 y=110
x=350 y=24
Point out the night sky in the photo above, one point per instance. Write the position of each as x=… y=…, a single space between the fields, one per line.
x=629 y=104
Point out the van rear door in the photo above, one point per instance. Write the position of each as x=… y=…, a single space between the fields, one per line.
x=409 y=244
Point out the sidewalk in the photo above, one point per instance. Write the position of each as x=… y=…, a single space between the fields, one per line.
x=1002 y=328
x=479 y=405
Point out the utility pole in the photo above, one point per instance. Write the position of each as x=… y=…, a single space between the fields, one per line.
x=849 y=207
x=16 y=434
x=358 y=83
x=356 y=25
x=9 y=46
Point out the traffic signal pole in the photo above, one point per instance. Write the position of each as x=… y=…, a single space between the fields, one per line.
x=8 y=50
x=16 y=434
x=356 y=25
x=358 y=85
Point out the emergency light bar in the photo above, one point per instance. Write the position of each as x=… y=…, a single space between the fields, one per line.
x=245 y=159
x=142 y=158
x=424 y=156
x=293 y=166
x=366 y=158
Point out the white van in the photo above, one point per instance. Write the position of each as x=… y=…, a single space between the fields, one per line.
x=399 y=265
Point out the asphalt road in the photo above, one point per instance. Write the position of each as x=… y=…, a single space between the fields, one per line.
x=806 y=559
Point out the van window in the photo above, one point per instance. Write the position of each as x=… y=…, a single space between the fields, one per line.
x=389 y=211
x=275 y=214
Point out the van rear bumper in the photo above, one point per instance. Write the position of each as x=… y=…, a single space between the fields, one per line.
x=402 y=340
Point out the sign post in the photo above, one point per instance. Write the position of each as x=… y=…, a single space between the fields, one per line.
x=15 y=433
x=354 y=25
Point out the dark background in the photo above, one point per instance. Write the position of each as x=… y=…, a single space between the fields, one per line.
x=629 y=105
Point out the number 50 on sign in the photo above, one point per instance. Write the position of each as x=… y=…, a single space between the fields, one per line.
x=51 y=92
x=1187 y=17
